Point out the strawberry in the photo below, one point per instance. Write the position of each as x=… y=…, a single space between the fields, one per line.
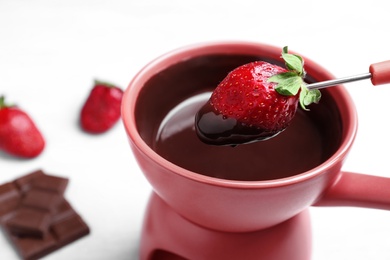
x=19 y=136
x=255 y=102
x=101 y=110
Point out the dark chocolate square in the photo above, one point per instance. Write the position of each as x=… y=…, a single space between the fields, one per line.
x=24 y=182
x=69 y=229
x=10 y=198
x=50 y=183
x=29 y=222
x=41 y=199
x=33 y=248
x=64 y=210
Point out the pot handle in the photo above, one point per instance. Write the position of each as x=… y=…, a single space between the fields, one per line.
x=358 y=190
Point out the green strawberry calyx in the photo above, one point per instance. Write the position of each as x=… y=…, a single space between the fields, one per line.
x=104 y=83
x=3 y=104
x=291 y=82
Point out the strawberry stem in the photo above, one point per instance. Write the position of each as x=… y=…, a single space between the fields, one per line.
x=105 y=83
x=3 y=104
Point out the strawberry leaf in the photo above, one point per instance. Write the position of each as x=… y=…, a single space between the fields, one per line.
x=289 y=83
x=293 y=62
x=307 y=97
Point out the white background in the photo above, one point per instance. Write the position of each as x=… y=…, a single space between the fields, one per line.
x=51 y=50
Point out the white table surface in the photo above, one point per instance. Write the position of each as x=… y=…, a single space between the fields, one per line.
x=51 y=50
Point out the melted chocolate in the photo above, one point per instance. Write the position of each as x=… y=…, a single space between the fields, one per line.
x=297 y=149
x=166 y=110
x=215 y=129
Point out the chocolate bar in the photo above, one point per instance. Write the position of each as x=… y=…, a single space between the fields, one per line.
x=61 y=233
x=36 y=216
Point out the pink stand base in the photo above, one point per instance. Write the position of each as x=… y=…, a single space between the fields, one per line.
x=168 y=236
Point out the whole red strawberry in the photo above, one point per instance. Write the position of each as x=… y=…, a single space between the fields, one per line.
x=19 y=136
x=101 y=110
x=255 y=102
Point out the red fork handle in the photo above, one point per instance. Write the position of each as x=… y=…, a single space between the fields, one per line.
x=380 y=72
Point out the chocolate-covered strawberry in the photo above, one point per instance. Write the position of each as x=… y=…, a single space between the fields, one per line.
x=19 y=136
x=255 y=102
x=101 y=110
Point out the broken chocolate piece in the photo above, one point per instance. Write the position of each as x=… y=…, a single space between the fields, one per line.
x=67 y=228
x=36 y=217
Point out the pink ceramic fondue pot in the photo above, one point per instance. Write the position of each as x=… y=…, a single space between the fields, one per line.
x=209 y=205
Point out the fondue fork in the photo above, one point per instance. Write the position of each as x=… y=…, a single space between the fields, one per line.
x=379 y=73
